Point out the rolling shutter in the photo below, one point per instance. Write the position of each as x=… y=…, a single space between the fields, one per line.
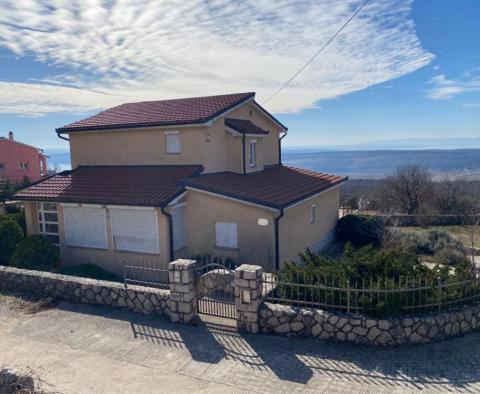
x=226 y=235
x=85 y=227
x=135 y=230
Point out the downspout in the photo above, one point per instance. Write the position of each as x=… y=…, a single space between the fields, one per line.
x=170 y=233
x=277 y=241
x=280 y=147
x=243 y=154
x=61 y=137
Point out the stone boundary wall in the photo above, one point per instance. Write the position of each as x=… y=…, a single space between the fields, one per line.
x=86 y=291
x=424 y=220
x=306 y=322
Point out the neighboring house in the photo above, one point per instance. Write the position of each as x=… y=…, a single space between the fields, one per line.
x=19 y=161
x=162 y=180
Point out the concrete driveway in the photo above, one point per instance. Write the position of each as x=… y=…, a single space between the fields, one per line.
x=82 y=349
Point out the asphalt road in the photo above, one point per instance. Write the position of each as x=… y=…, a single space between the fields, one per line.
x=82 y=349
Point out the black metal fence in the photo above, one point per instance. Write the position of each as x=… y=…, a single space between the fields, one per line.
x=378 y=297
x=145 y=273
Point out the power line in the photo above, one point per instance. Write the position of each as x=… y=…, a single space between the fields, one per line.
x=317 y=53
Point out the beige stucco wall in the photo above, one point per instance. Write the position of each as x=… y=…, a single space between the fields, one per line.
x=296 y=233
x=109 y=259
x=31 y=218
x=211 y=146
x=255 y=242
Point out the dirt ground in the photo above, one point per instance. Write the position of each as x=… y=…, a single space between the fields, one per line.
x=84 y=349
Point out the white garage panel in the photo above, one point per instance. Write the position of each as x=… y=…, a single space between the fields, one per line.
x=135 y=230
x=85 y=227
x=226 y=235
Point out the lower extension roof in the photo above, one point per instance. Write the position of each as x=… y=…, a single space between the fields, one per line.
x=277 y=186
x=116 y=185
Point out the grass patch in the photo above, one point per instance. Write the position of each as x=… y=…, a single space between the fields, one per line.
x=460 y=233
x=91 y=271
x=26 y=303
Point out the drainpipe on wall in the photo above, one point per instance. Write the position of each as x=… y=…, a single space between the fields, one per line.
x=243 y=154
x=170 y=233
x=280 y=148
x=277 y=241
x=61 y=137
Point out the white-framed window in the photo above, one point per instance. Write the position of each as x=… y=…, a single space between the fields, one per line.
x=226 y=235
x=172 y=142
x=179 y=229
x=252 y=158
x=313 y=213
x=48 y=221
x=135 y=230
x=23 y=166
x=85 y=226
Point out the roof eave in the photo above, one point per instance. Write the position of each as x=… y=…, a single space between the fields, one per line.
x=278 y=207
x=196 y=122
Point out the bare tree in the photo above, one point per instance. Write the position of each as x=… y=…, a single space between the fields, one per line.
x=450 y=197
x=408 y=190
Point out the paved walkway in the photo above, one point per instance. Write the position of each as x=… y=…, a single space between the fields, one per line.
x=82 y=349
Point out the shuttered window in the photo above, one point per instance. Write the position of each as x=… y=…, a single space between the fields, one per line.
x=135 y=230
x=172 y=140
x=85 y=227
x=179 y=232
x=226 y=235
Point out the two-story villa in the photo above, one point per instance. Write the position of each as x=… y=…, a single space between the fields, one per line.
x=161 y=180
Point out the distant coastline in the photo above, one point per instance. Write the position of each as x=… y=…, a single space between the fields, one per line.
x=375 y=164
x=360 y=164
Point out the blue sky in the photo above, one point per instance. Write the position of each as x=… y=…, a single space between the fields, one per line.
x=401 y=69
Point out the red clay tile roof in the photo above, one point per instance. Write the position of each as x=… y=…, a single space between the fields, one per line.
x=277 y=186
x=160 y=113
x=244 y=126
x=116 y=185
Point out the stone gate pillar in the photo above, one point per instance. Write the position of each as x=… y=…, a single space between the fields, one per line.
x=183 y=300
x=248 y=297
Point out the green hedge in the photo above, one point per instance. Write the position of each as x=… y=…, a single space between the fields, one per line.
x=360 y=230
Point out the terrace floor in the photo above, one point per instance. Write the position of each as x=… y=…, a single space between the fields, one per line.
x=83 y=349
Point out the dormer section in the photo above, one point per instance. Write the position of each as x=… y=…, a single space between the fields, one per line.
x=250 y=138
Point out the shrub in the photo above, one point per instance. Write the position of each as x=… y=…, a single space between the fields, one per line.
x=19 y=218
x=36 y=252
x=360 y=230
x=435 y=241
x=449 y=256
x=10 y=235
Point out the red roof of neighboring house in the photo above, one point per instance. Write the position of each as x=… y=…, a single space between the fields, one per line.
x=244 y=126
x=277 y=186
x=116 y=185
x=160 y=113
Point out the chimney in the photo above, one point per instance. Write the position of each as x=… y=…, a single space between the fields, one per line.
x=10 y=135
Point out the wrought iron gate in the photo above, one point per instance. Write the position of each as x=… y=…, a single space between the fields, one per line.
x=216 y=290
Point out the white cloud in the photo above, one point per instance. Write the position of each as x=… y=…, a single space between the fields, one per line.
x=128 y=50
x=443 y=88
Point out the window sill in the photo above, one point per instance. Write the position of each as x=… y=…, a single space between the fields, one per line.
x=86 y=247
x=223 y=248
x=137 y=252
x=173 y=153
